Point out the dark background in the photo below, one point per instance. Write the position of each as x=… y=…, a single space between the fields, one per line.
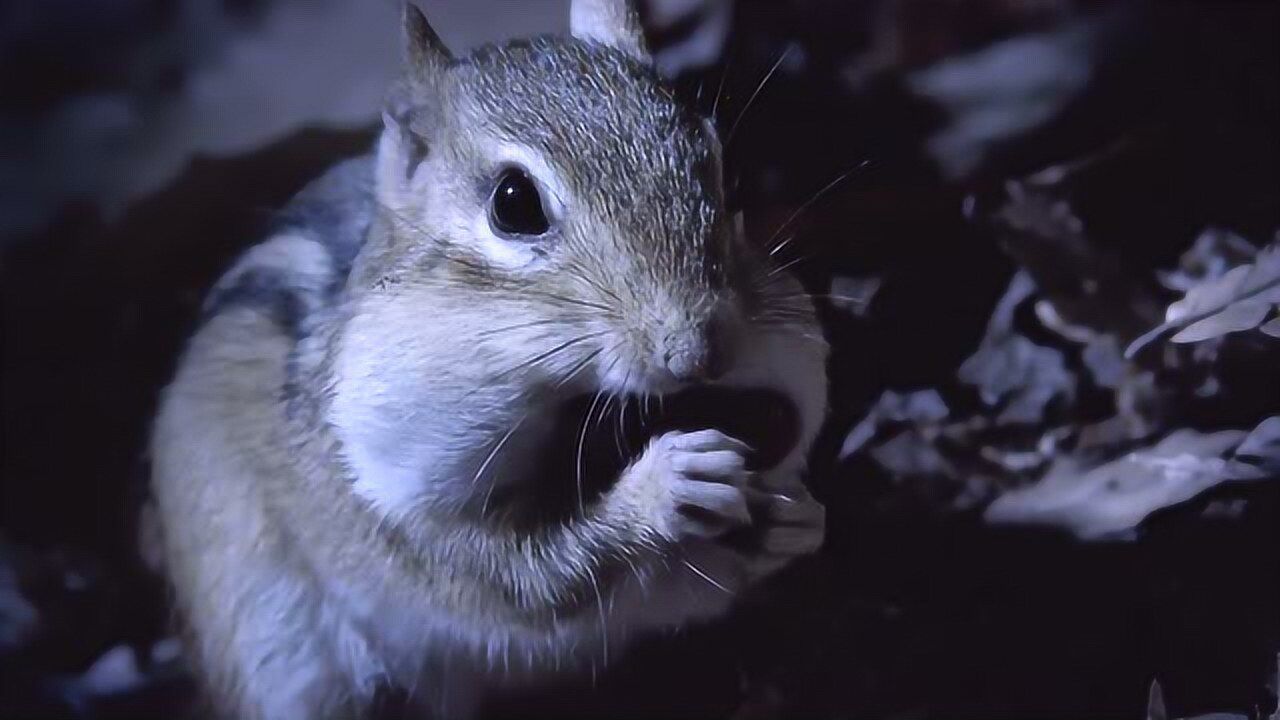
x=129 y=185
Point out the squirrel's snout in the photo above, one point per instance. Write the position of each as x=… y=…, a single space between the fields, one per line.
x=696 y=356
x=689 y=365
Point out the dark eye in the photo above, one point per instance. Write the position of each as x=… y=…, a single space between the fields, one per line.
x=516 y=208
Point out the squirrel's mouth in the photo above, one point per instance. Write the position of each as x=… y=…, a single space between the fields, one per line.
x=594 y=438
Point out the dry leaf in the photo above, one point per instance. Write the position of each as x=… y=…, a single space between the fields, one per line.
x=1241 y=299
x=1258 y=457
x=1010 y=371
x=1113 y=498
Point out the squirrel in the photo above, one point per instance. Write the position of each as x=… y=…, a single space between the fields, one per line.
x=347 y=465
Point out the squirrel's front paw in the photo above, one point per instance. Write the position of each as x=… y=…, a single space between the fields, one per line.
x=731 y=529
x=692 y=484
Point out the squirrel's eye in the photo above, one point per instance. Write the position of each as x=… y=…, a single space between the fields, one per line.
x=516 y=208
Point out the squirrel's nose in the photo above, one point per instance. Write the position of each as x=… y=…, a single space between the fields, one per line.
x=686 y=365
x=698 y=358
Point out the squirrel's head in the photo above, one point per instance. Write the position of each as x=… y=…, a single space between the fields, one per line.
x=551 y=222
x=558 y=187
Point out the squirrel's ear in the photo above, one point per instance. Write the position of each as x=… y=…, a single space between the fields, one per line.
x=414 y=94
x=611 y=22
x=424 y=53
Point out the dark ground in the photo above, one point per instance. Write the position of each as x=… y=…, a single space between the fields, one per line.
x=916 y=608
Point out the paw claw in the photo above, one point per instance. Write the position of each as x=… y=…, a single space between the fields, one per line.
x=725 y=465
x=723 y=501
x=708 y=440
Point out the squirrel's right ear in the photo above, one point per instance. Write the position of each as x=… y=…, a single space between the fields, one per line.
x=610 y=22
x=411 y=98
x=424 y=53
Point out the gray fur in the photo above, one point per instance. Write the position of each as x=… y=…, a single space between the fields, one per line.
x=335 y=211
x=629 y=150
x=383 y=367
x=337 y=208
x=266 y=289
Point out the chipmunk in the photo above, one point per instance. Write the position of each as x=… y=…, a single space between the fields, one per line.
x=351 y=467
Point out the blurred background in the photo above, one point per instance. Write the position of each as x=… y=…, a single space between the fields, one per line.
x=992 y=199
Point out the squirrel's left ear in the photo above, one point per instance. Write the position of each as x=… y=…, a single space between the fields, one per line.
x=611 y=22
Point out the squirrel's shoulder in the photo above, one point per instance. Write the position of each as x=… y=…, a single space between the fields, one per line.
x=301 y=264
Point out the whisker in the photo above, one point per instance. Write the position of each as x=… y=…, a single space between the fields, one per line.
x=574 y=301
x=521 y=326
x=620 y=429
x=715 y=105
x=785 y=266
x=604 y=409
x=582 y=441
x=783 y=318
x=485 y=269
x=608 y=402
x=635 y=571
x=816 y=196
x=586 y=276
x=767 y=282
x=577 y=368
x=622 y=416
x=604 y=623
x=622 y=412
x=497 y=447
x=785 y=241
x=705 y=576
x=743 y=113
x=544 y=355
